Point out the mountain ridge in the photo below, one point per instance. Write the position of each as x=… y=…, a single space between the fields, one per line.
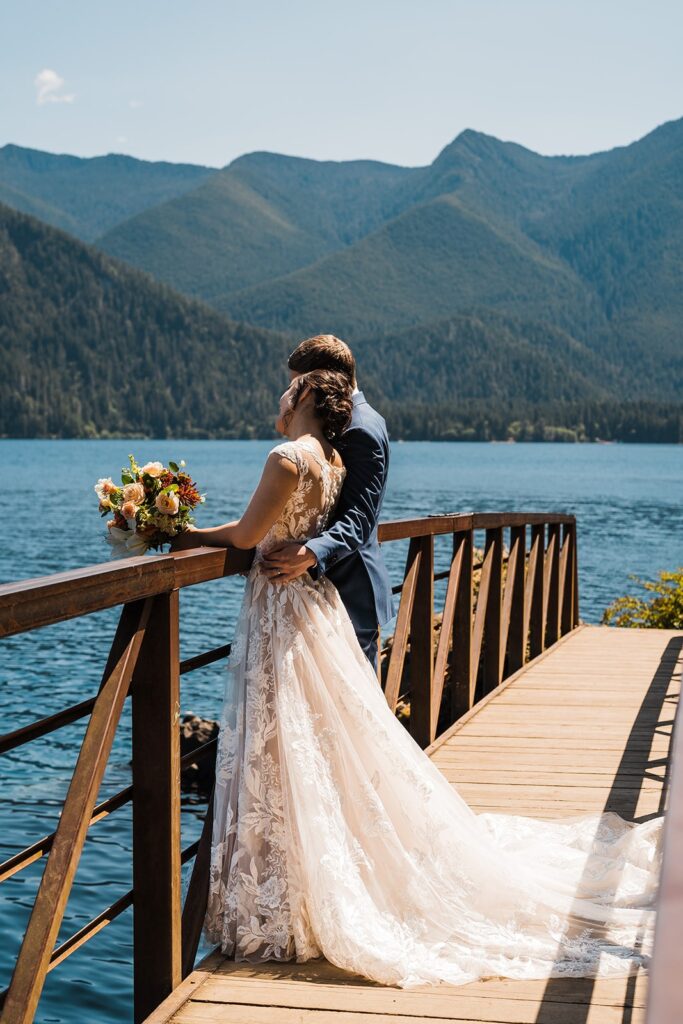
x=119 y=185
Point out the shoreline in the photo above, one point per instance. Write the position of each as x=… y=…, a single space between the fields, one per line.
x=181 y=438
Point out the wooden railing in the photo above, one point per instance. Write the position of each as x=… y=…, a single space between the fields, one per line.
x=665 y=989
x=497 y=614
x=526 y=598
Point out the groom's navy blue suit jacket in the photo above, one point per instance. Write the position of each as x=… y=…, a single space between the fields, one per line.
x=348 y=552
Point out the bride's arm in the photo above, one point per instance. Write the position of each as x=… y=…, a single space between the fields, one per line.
x=277 y=482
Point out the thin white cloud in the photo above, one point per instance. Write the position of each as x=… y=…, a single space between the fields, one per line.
x=49 y=88
x=134 y=104
x=122 y=138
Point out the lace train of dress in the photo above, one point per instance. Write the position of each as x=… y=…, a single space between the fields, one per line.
x=335 y=835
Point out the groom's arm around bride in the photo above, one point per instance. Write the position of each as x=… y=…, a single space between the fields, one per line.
x=348 y=552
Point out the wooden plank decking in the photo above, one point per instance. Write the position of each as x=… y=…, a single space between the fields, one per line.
x=586 y=727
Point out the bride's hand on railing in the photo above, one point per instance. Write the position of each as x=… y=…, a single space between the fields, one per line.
x=186 y=540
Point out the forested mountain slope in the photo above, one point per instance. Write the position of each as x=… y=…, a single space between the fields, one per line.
x=91 y=348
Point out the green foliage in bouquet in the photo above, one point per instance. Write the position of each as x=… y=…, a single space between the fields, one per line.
x=664 y=610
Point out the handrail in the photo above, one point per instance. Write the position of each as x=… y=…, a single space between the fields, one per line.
x=31 y=604
x=42 y=601
x=459 y=522
x=43 y=726
x=499 y=611
x=665 y=989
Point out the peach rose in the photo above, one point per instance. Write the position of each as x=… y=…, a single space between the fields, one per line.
x=153 y=468
x=128 y=509
x=134 y=493
x=167 y=503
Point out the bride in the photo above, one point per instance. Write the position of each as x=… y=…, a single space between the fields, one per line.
x=335 y=835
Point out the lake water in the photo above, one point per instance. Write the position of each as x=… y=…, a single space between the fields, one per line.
x=629 y=505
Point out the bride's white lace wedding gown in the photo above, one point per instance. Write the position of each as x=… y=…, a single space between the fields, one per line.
x=335 y=835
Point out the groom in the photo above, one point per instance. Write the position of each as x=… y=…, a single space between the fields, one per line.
x=348 y=552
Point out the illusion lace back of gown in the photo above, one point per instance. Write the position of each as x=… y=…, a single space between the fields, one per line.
x=335 y=835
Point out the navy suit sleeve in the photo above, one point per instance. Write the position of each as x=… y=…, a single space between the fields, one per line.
x=358 y=508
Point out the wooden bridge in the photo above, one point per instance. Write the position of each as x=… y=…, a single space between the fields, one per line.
x=522 y=707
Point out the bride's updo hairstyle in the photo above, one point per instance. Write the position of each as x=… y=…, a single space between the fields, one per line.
x=332 y=400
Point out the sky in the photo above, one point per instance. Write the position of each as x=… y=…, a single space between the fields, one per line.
x=204 y=81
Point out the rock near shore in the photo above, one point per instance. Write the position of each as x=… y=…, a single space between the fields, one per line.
x=198 y=776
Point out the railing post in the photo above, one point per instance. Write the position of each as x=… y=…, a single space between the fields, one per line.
x=515 y=580
x=197 y=893
x=156 y=811
x=445 y=646
x=493 y=665
x=462 y=687
x=422 y=646
x=566 y=581
x=574 y=552
x=394 y=677
x=536 y=639
x=552 y=629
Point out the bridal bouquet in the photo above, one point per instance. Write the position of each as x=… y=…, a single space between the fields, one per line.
x=153 y=503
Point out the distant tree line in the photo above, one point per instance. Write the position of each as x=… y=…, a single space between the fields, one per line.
x=644 y=422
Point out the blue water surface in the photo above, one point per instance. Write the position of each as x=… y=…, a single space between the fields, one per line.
x=628 y=500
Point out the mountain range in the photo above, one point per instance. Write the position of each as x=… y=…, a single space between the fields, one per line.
x=87 y=197
x=492 y=275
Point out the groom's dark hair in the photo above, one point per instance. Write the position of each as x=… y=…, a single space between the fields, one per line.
x=323 y=352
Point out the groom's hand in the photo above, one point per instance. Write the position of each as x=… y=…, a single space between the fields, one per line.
x=287 y=561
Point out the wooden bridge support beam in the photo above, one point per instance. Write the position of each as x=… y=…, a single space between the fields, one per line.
x=493 y=559
x=535 y=591
x=422 y=646
x=156 y=810
x=515 y=599
x=463 y=683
